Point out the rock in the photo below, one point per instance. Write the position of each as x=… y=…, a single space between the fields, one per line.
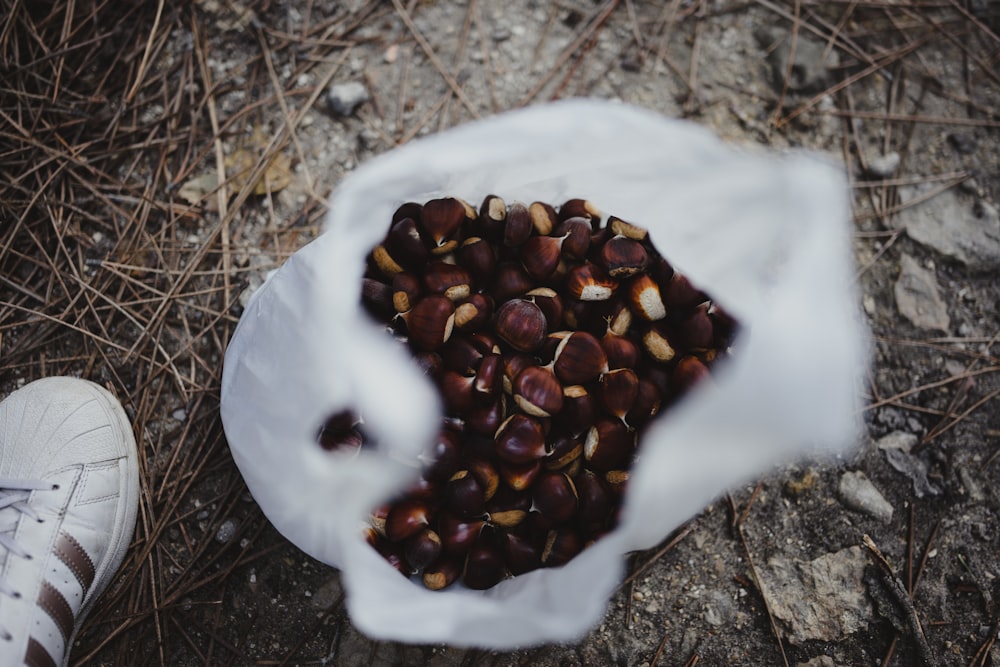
x=810 y=70
x=915 y=469
x=947 y=223
x=918 y=298
x=719 y=609
x=226 y=531
x=344 y=98
x=898 y=440
x=884 y=166
x=824 y=599
x=859 y=494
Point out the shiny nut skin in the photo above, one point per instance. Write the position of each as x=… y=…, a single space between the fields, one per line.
x=520 y=439
x=521 y=324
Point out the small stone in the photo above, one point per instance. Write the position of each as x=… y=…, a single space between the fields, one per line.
x=179 y=414
x=915 y=469
x=501 y=34
x=918 y=297
x=344 y=98
x=823 y=599
x=898 y=440
x=226 y=531
x=884 y=166
x=954 y=226
x=859 y=494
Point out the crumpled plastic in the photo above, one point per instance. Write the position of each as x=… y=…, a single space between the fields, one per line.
x=767 y=235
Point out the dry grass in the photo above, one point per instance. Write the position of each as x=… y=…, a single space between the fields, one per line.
x=106 y=273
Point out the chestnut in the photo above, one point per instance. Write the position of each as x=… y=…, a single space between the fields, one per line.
x=579 y=410
x=609 y=445
x=458 y=534
x=406 y=246
x=657 y=341
x=537 y=391
x=555 y=496
x=589 y=282
x=442 y=573
x=464 y=495
x=422 y=549
x=521 y=554
x=645 y=299
x=579 y=358
x=543 y=217
x=576 y=233
x=540 y=256
x=561 y=545
x=520 y=439
x=511 y=280
x=519 y=476
x=441 y=219
x=473 y=313
x=623 y=257
x=429 y=323
x=450 y=280
x=406 y=518
x=518 y=226
x=484 y=566
x=618 y=390
x=627 y=229
x=551 y=304
x=492 y=216
x=678 y=292
x=577 y=208
x=477 y=257
x=521 y=324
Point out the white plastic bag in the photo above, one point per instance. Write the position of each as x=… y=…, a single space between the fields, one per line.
x=767 y=236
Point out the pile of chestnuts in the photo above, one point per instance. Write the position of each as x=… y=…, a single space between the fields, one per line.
x=554 y=337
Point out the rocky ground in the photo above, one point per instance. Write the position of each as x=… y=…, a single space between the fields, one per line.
x=777 y=572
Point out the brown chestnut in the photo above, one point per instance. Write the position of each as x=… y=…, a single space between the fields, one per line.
x=537 y=391
x=464 y=494
x=589 y=282
x=645 y=299
x=609 y=445
x=458 y=534
x=441 y=219
x=520 y=439
x=406 y=518
x=618 y=390
x=422 y=549
x=518 y=226
x=521 y=324
x=623 y=257
x=519 y=476
x=442 y=573
x=484 y=567
x=540 y=256
x=543 y=217
x=554 y=495
x=579 y=358
x=477 y=257
x=406 y=245
x=429 y=323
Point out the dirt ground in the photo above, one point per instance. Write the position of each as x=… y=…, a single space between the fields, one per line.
x=122 y=260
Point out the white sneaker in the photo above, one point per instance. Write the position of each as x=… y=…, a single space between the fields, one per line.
x=69 y=492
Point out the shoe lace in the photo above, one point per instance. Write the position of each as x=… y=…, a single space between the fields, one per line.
x=14 y=494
